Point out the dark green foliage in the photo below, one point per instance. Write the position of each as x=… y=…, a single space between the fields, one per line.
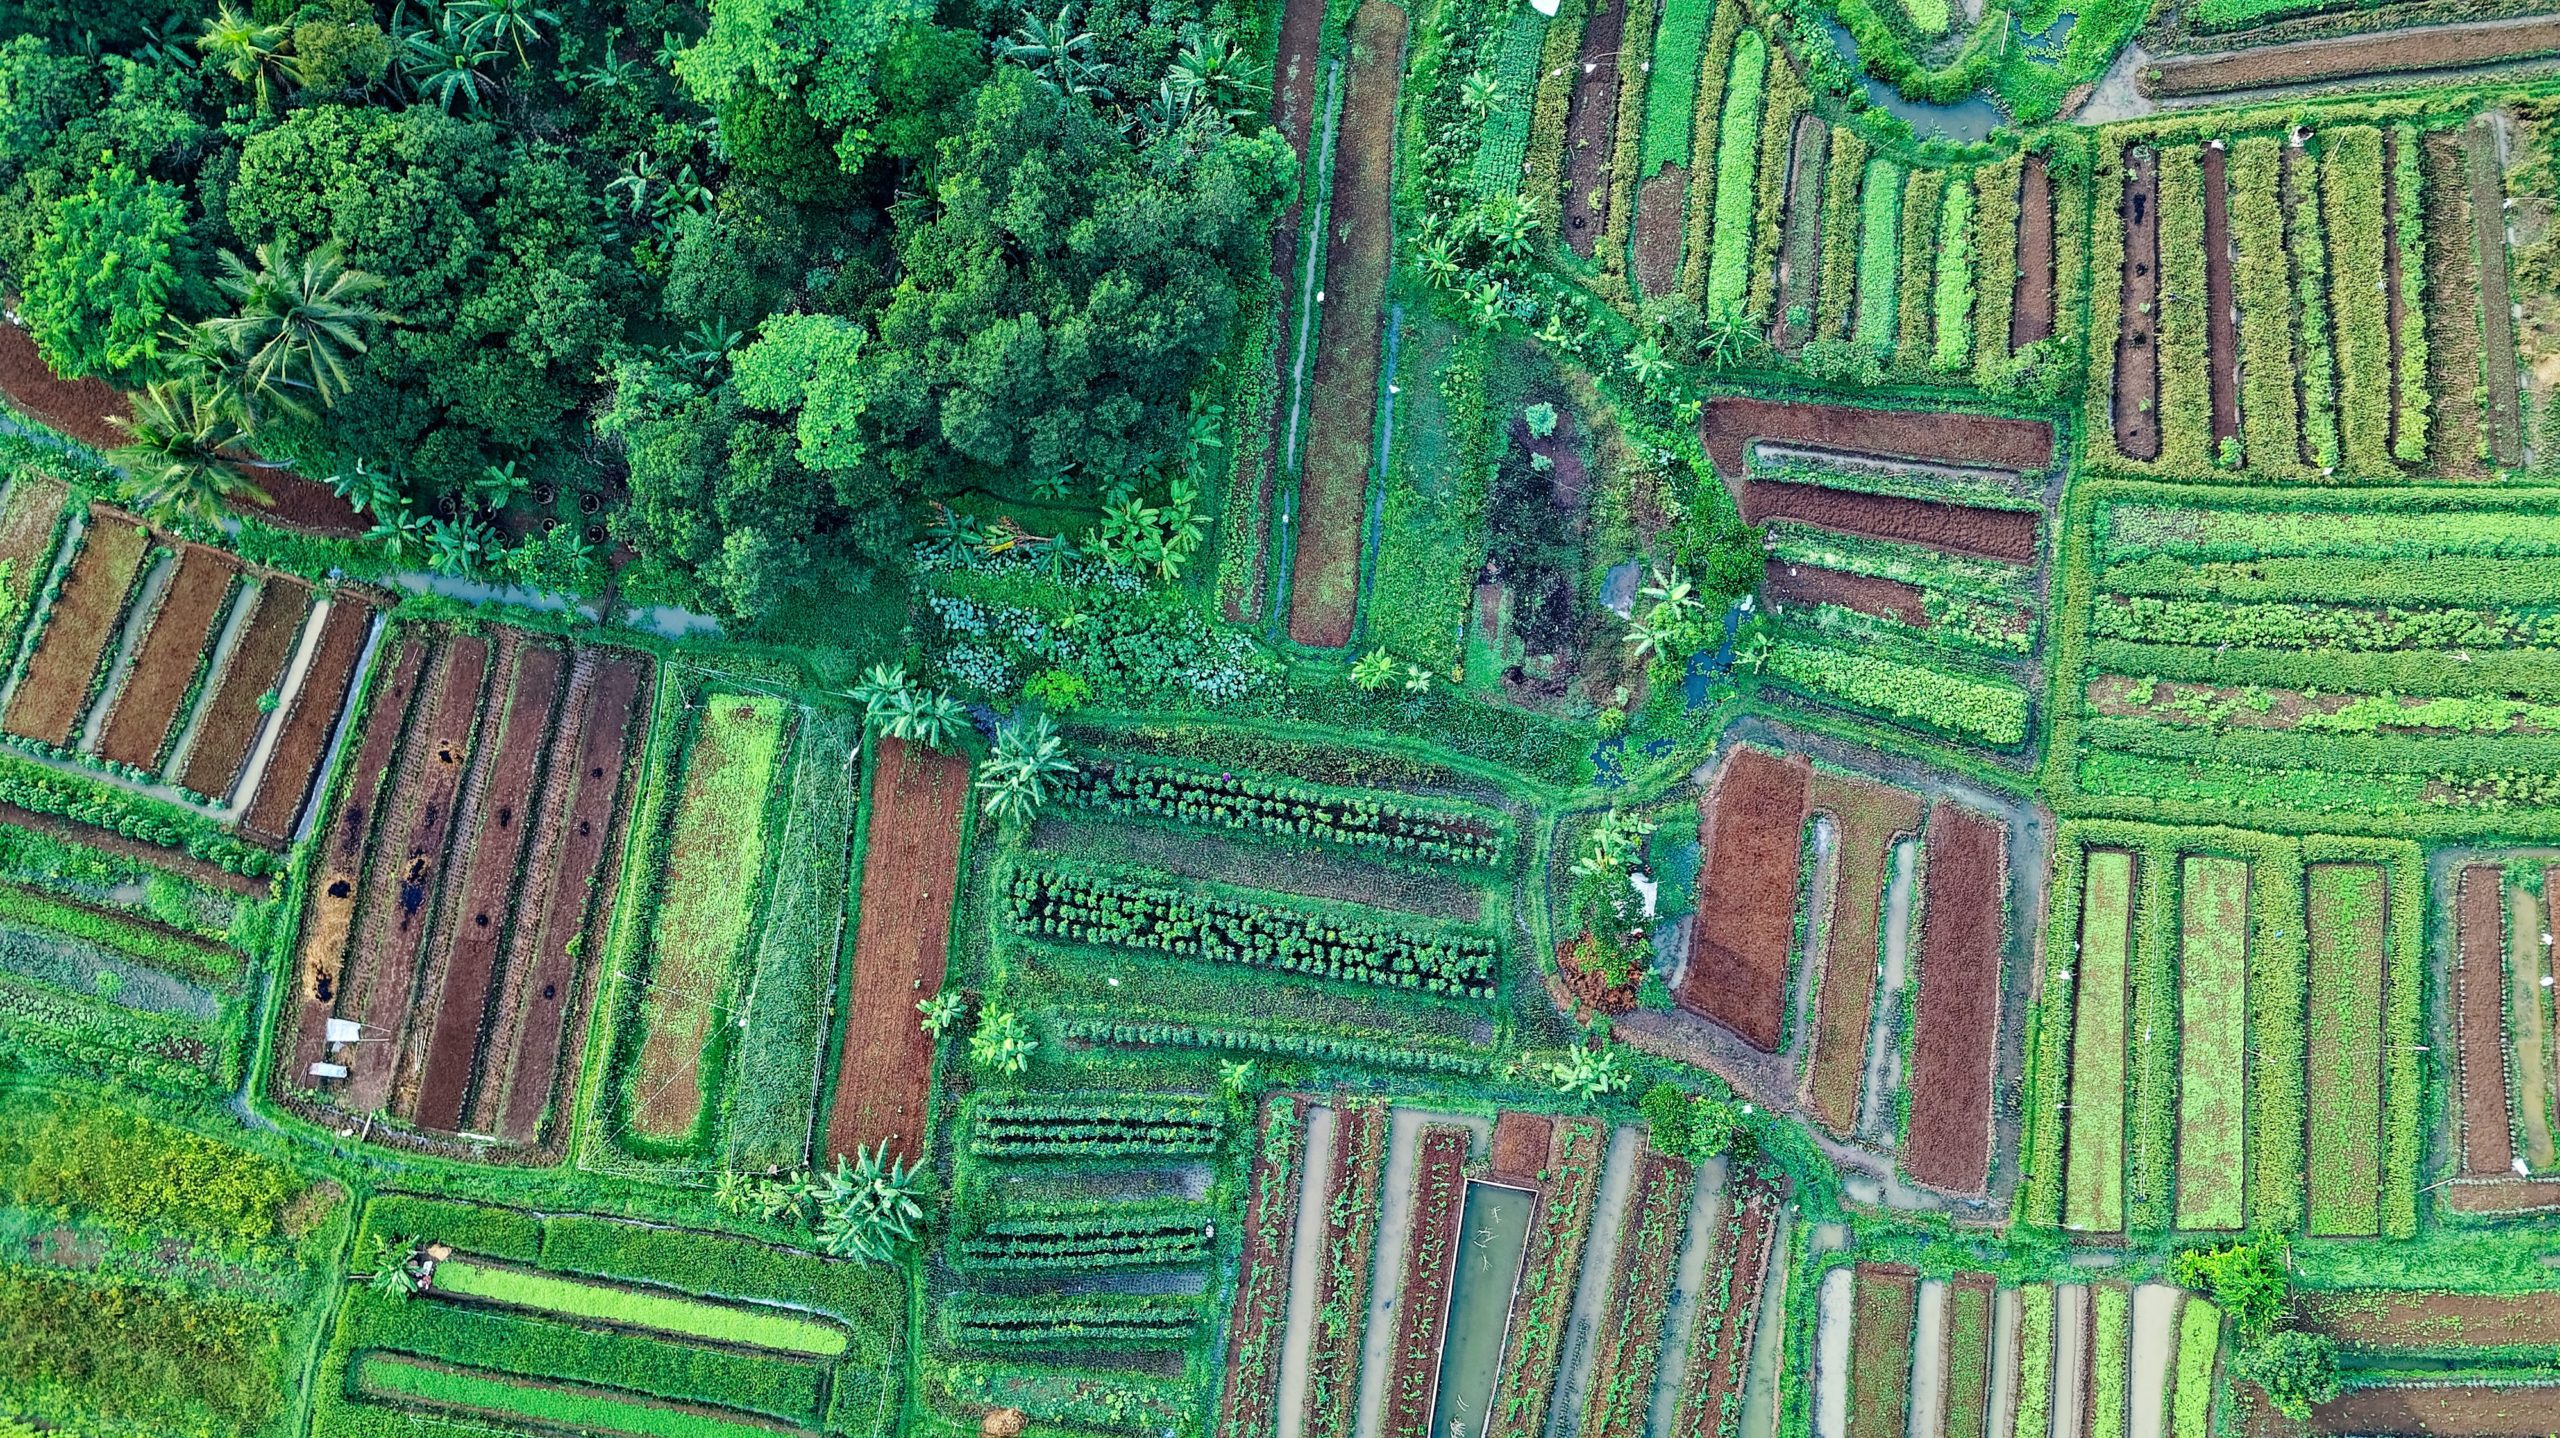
x=2248 y=1281
x=2296 y=1369
x=1018 y=1126
x=166 y=1361
x=1084 y=1323
x=1081 y=1237
x=1423 y=832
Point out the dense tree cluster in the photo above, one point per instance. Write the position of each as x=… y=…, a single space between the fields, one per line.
x=746 y=282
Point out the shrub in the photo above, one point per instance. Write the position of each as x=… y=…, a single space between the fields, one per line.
x=1017 y=1126
x=2304 y=242
x=1915 y=284
x=137 y=1174
x=1084 y=1322
x=2296 y=1369
x=141 y=1358
x=1077 y=1237
x=1426 y=832
x=1289 y=1043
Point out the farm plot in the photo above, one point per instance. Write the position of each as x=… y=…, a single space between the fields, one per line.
x=1733 y=424
x=457 y=880
x=2348 y=57
x=698 y=921
x=1591 y=117
x=1422 y=1295
x=1628 y=1347
x=1947 y=1143
x=2478 y=1007
x=1541 y=1308
x=57 y=684
x=1334 y=482
x=2345 y=1039
x=1256 y=1327
x=255 y=668
x=33 y=521
x=168 y=659
x=1350 y=1240
x=1887 y=1300
x=919 y=809
x=1868 y=818
x=1751 y=843
x=1720 y=1343
x=308 y=721
x=2213 y=1041
x=2095 y=1194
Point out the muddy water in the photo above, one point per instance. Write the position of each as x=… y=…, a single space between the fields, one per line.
x=2528 y=963
x=1831 y=1355
x=1759 y=1417
x=2155 y=1345
x=2004 y=1364
x=1680 y=1319
x=1306 y=1259
x=1929 y=1360
x=1884 y=1049
x=1591 y=1285
x=2070 y=1347
x=1493 y=1234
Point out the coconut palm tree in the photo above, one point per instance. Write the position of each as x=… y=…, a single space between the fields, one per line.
x=450 y=64
x=301 y=318
x=248 y=50
x=175 y=468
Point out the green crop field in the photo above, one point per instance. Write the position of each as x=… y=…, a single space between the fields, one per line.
x=683 y=1316
x=2213 y=1041
x=2096 y=1159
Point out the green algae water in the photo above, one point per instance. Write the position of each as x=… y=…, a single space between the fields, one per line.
x=1492 y=1234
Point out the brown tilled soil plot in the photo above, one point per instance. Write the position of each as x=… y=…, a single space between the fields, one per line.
x=2222 y=342
x=2466 y=1410
x=2388 y=1319
x=491 y=863
x=1786 y=584
x=2479 y=1018
x=1868 y=818
x=81 y=408
x=1342 y=407
x=2502 y=1196
x=1948 y=1146
x=2435 y=47
x=293 y=765
x=54 y=691
x=2453 y=313
x=2031 y=306
x=405 y=866
x=1734 y=423
x=251 y=671
x=164 y=664
x=1753 y=840
x=919 y=800
x=1589 y=123
x=27 y=525
x=2137 y=373
x=1520 y=1143
x=568 y=889
x=1661 y=209
x=330 y=915
x=2006 y=534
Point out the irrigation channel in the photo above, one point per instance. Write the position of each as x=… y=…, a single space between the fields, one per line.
x=1493 y=1235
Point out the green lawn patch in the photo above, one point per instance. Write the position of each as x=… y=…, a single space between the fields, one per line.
x=667 y=1313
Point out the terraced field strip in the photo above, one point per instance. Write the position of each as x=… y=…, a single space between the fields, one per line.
x=310 y=718
x=576 y=858
x=2093 y=1195
x=2452 y=313
x=1351 y=1213
x=1333 y=487
x=2478 y=1011
x=254 y=669
x=2385 y=52
x=54 y=691
x=172 y=649
x=2344 y=1039
x=1257 y=1325
x=1956 y=1025
x=706 y=904
x=2136 y=408
x=771 y=1328
x=919 y=806
x=2213 y=1041
x=2109 y=1374
x=1628 y=1347
x=1967 y=1378
x=2487 y=176
x=1751 y=845
x=31 y=521
x=514 y=1400
x=2529 y=1023
x=1721 y=1344
x=1888 y=1302
x=405 y=866
x=1533 y=1356
x=1422 y=1298
x=2199 y=1343
x=2221 y=339
x=492 y=869
x=1868 y=818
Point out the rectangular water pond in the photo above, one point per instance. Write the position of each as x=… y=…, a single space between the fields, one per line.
x=1493 y=1233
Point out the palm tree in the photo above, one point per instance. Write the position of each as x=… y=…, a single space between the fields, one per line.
x=450 y=63
x=931 y=718
x=398 y=530
x=369 y=490
x=1016 y=778
x=249 y=51
x=1055 y=51
x=300 y=319
x=517 y=21
x=174 y=468
x=1646 y=364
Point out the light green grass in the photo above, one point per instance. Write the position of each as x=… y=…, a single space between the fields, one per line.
x=583 y=1410
x=1671 y=87
x=1737 y=161
x=2109 y=1393
x=1879 y=252
x=2093 y=1198
x=2343 y=1078
x=667 y=1313
x=2199 y=1336
x=2213 y=1038
x=1954 y=297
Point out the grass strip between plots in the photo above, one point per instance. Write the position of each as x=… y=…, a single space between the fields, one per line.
x=689 y=1317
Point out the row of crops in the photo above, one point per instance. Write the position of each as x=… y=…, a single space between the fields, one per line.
x=2239 y=1041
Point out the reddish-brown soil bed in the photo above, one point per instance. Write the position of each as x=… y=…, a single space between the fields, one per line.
x=1590 y=120
x=293 y=766
x=1886 y=1307
x=1868 y=817
x=2434 y=47
x=1787 y=584
x=572 y=875
x=1660 y=202
x=54 y=692
x=1333 y=484
x=918 y=799
x=2005 y=534
x=2222 y=341
x=1753 y=841
x=84 y=409
x=1735 y=422
x=2031 y=305
x=1422 y=1303
x=1958 y=1016
x=2460 y=1411
x=492 y=864
x=1520 y=1143
x=2137 y=374
x=2512 y=1195
x=395 y=905
x=164 y=666
x=2387 y=1319
x=1262 y=1282
x=27 y=526
x=1720 y=1346
x=252 y=670
x=2479 y=1017
x=330 y=913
